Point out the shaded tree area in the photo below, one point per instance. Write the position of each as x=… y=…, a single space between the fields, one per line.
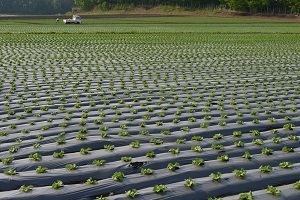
x=36 y=7
x=265 y=6
x=252 y=6
x=108 y=4
x=40 y=7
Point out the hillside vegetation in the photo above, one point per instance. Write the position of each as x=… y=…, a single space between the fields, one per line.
x=41 y=7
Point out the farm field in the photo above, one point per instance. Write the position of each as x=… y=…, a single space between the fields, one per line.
x=150 y=108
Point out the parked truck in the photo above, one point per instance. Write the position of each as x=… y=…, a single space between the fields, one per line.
x=75 y=20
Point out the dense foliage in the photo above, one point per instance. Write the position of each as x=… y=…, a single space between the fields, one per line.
x=35 y=6
x=254 y=6
x=63 y=6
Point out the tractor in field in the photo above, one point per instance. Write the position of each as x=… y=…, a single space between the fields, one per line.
x=75 y=20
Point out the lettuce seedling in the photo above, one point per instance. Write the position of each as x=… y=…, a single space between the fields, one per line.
x=273 y=190
x=147 y=171
x=174 y=166
x=240 y=173
x=58 y=184
x=118 y=176
x=265 y=168
x=85 y=151
x=216 y=176
x=223 y=158
x=246 y=196
x=190 y=183
x=197 y=149
x=10 y=172
x=35 y=157
x=7 y=161
x=91 y=181
x=41 y=169
x=150 y=154
x=98 y=162
x=102 y=198
x=71 y=167
x=59 y=154
x=285 y=165
x=131 y=193
x=126 y=159
x=159 y=189
x=174 y=151
x=297 y=185
x=26 y=189
x=198 y=162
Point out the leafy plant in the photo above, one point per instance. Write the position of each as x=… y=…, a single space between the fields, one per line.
x=218 y=136
x=273 y=190
x=173 y=167
x=26 y=189
x=223 y=158
x=297 y=185
x=258 y=141
x=288 y=149
x=237 y=133
x=197 y=149
x=181 y=141
x=147 y=171
x=204 y=125
x=159 y=189
x=109 y=147
x=35 y=157
x=14 y=149
x=289 y=126
x=217 y=146
x=91 y=181
x=267 y=151
x=293 y=137
x=10 y=172
x=174 y=151
x=59 y=154
x=126 y=159
x=41 y=169
x=247 y=155
x=150 y=154
x=240 y=173
x=131 y=193
x=98 y=162
x=246 y=196
x=285 y=165
x=198 y=162
x=135 y=144
x=102 y=198
x=85 y=151
x=118 y=176
x=190 y=183
x=36 y=145
x=239 y=144
x=197 y=138
x=57 y=184
x=185 y=129
x=156 y=141
x=265 y=168
x=216 y=176
x=81 y=136
x=255 y=133
x=276 y=140
x=71 y=167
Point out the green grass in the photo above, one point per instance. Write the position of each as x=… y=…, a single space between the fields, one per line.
x=155 y=25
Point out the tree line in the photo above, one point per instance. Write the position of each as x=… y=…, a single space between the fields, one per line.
x=63 y=6
x=252 y=6
x=35 y=7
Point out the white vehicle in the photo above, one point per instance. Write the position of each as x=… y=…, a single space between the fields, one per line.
x=75 y=20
